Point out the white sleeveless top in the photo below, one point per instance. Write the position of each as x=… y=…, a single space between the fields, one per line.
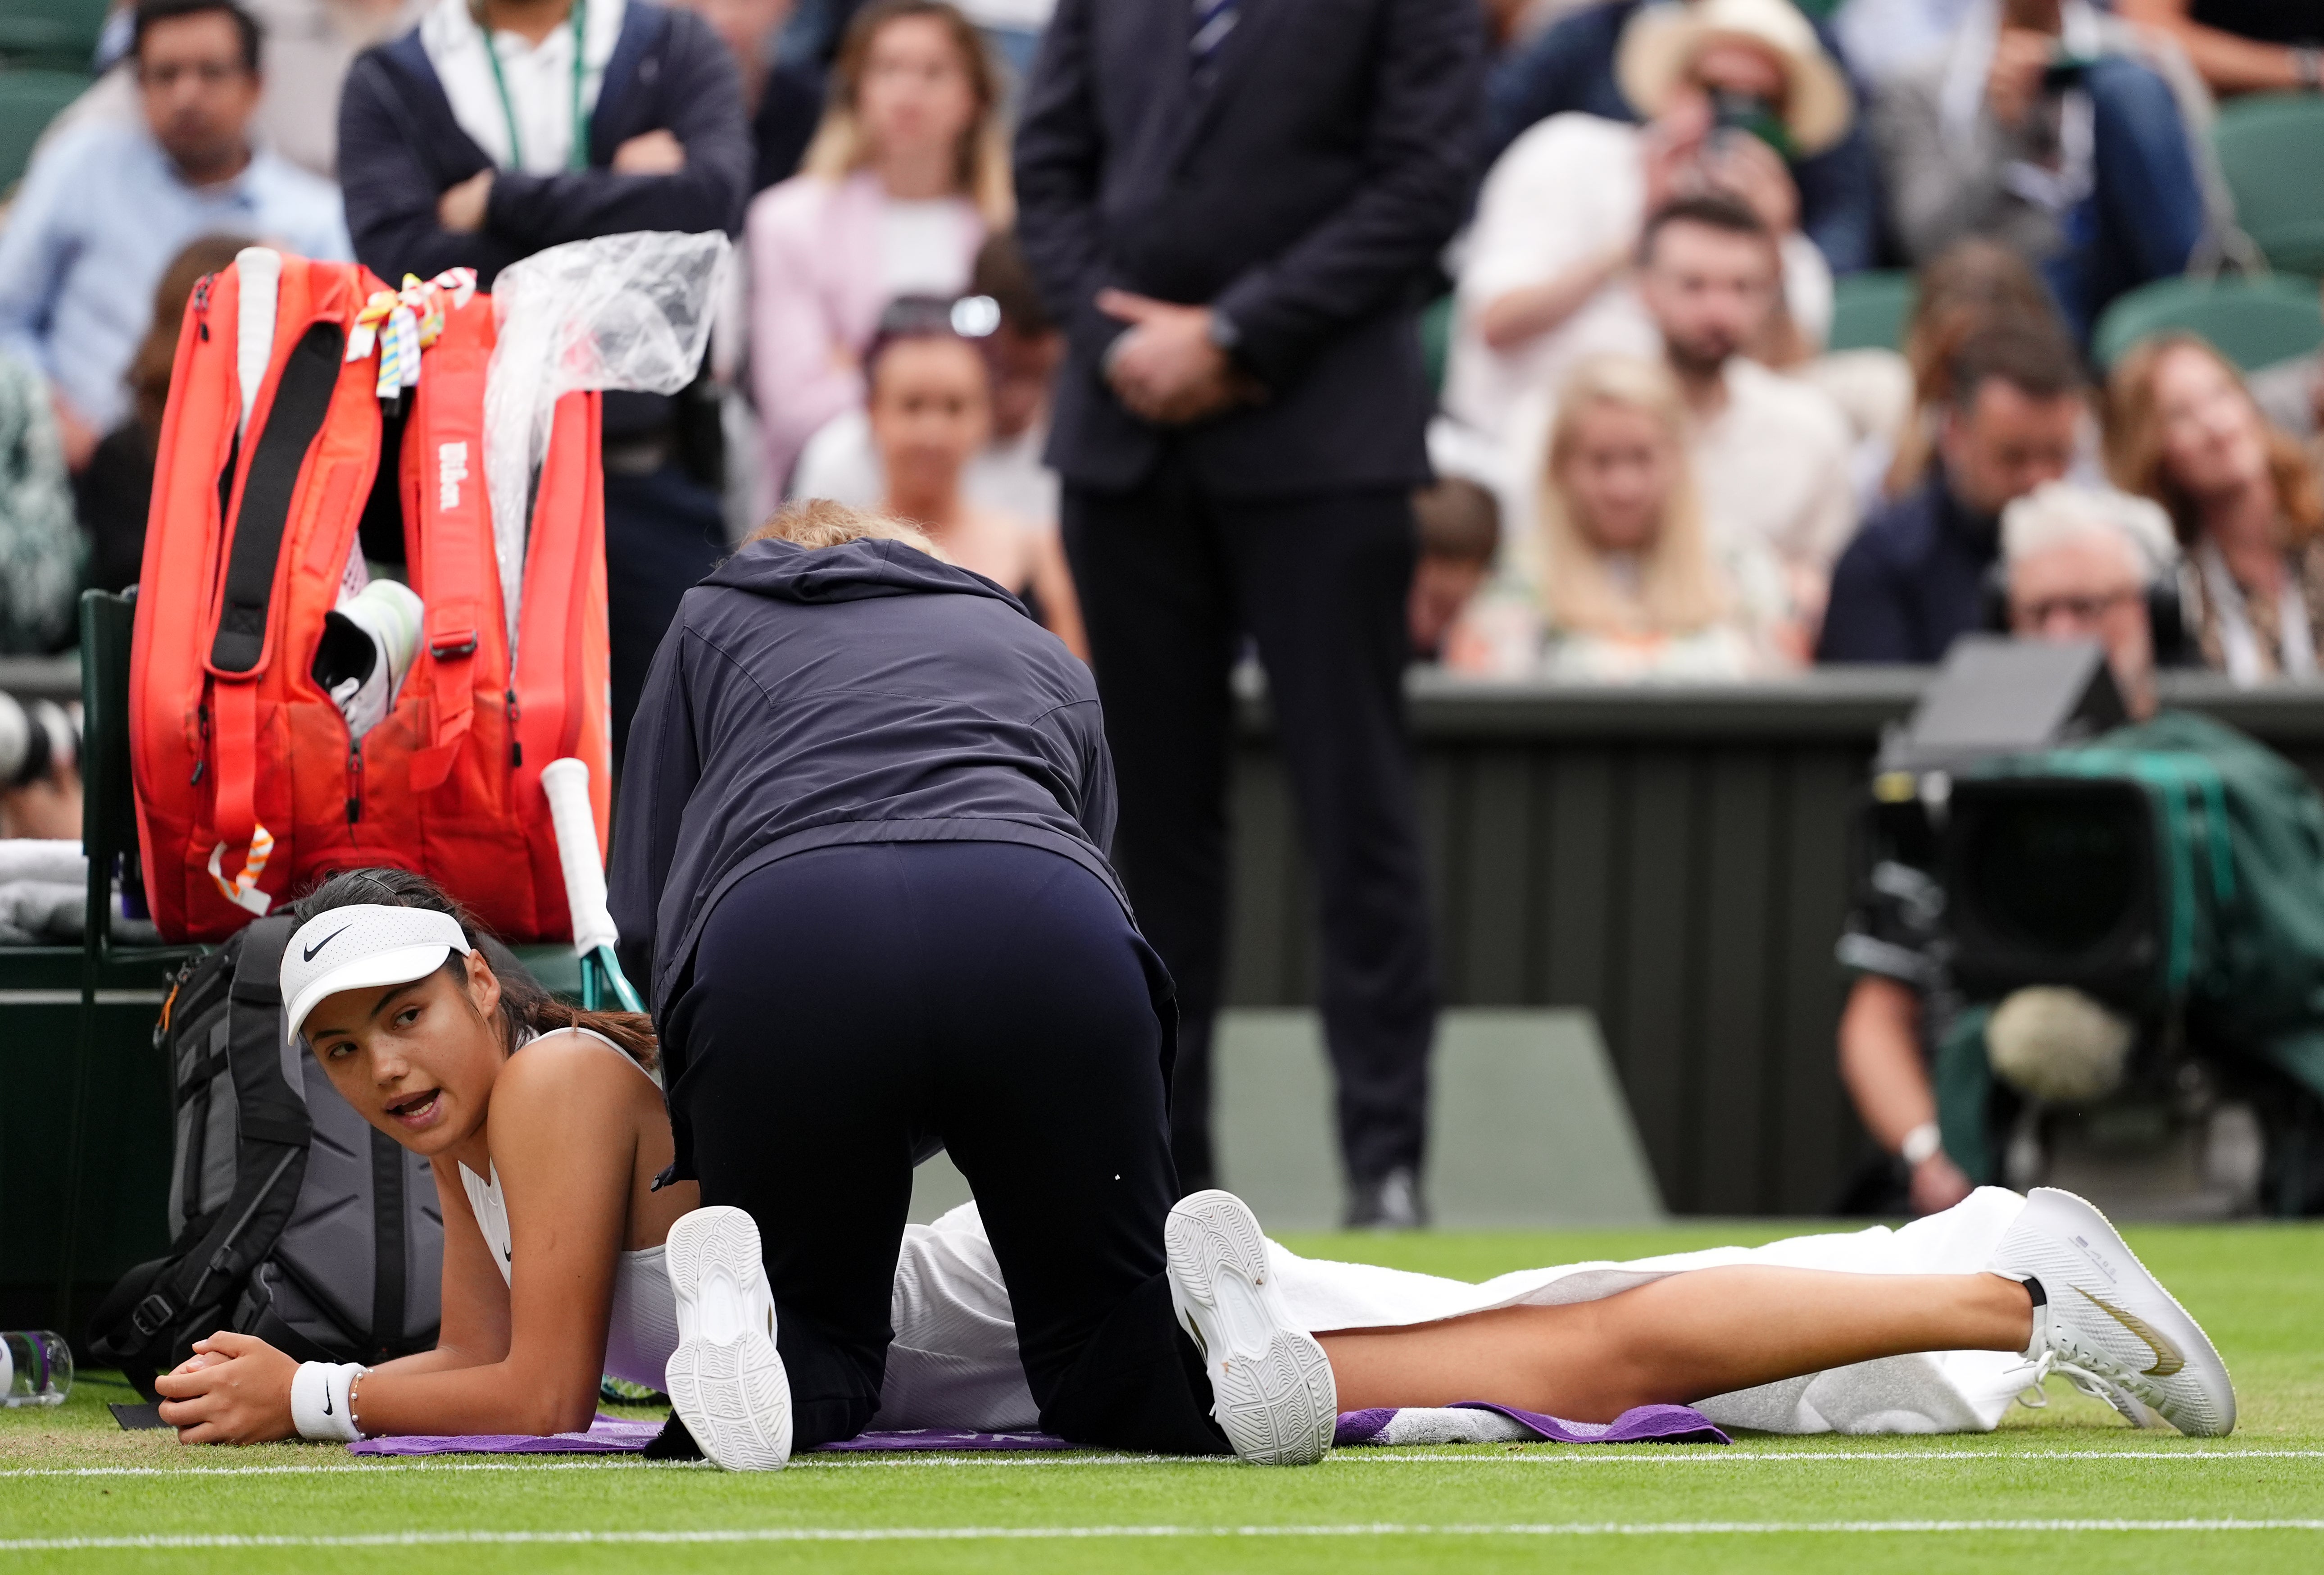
x=643 y=1329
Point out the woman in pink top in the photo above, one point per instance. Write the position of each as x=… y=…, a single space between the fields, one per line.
x=931 y=410
x=909 y=172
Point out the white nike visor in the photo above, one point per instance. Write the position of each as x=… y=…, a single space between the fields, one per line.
x=362 y=947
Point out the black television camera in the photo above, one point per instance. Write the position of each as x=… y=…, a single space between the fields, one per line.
x=2114 y=989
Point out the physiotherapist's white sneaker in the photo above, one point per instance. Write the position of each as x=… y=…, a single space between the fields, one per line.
x=2104 y=1321
x=1271 y=1386
x=726 y=1379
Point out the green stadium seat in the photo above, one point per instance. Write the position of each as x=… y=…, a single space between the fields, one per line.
x=1869 y=310
x=29 y=100
x=2270 y=148
x=1436 y=338
x=2253 y=322
x=62 y=32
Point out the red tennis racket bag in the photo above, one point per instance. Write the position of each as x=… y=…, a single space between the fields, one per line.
x=251 y=786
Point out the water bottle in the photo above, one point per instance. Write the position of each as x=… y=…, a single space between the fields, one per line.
x=36 y=1368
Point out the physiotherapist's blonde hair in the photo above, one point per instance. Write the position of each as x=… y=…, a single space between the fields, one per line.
x=818 y=522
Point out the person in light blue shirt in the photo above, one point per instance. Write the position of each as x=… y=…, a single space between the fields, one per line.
x=105 y=207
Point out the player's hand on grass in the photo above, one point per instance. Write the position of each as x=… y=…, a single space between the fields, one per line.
x=234 y=1389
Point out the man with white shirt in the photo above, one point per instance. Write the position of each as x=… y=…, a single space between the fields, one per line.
x=1549 y=274
x=494 y=130
x=1770 y=453
x=107 y=204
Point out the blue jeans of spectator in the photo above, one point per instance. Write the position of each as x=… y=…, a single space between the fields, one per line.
x=2145 y=215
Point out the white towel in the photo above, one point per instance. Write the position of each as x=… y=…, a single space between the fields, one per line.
x=954 y=1362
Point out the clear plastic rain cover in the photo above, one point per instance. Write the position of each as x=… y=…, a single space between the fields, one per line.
x=628 y=311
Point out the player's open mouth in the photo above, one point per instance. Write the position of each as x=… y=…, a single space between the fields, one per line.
x=418 y=1109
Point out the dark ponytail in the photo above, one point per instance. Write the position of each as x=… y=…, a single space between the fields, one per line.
x=526 y=1008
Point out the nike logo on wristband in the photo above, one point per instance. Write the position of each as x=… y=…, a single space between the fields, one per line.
x=327 y=1400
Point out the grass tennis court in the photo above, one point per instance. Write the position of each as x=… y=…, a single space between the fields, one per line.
x=2069 y=1487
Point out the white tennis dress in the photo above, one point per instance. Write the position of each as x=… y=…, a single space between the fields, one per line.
x=643 y=1329
x=954 y=1363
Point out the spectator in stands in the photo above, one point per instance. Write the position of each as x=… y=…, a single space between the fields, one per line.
x=906 y=176
x=1548 y=276
x=2053 y=127
x=40 y=549
x=1910 y=582
x=2079 y=563
x=1622 y=578
x=783 y=98
x=1965 y=287
x=473 y=143
x=1235 y=221
x=1008 y=474
x=1459 y=525
x=2182 y=428
x=105 y=205
x=1571 y=67
x=117 y=491
x=1770 y=454
x=307 y=47
x=2242 y=46
x=931 y=414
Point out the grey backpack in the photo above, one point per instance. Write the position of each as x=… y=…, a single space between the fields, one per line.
x=290 y=1217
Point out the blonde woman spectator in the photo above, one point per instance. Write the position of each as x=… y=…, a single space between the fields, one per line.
x=1621 y=580
x=2182 y=428
x=906 y=173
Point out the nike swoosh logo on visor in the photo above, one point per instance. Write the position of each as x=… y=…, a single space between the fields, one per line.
x=308 y=951
x=2167 y=1360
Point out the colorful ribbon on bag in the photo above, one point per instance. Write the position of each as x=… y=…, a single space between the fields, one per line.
x=242 y=890
x=401 y=323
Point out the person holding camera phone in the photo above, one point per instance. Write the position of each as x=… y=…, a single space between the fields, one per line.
x=1734 y=89
x=2061 y=131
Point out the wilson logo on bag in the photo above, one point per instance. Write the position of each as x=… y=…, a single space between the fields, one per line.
x=305 y=397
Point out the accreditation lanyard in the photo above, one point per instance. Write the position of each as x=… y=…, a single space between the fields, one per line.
x=577 y=156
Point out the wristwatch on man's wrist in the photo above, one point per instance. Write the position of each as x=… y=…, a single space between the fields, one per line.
x=2308 y=67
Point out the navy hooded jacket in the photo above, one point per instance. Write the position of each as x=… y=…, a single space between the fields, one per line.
x=862 y=693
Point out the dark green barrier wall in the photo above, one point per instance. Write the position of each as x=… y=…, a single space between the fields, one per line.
x=1674 y=860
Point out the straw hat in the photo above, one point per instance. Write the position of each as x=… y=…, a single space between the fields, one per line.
x=1662 y=40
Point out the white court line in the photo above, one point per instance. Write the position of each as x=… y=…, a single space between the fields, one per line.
x=964 y=1533
x=1575 y=1456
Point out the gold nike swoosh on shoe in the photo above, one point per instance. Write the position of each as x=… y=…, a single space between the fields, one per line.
x=2167 y=1360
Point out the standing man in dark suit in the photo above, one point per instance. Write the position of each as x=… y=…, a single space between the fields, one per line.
x=1234 y=206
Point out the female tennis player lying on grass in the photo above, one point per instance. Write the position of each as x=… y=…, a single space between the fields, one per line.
x=545 y=1133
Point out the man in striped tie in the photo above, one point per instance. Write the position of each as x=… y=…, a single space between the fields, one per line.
x=1235 y=205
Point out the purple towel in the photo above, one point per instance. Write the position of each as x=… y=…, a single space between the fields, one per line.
x=1665 y=1424
x=613 y=1435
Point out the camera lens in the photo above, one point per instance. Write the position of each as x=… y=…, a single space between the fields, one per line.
x=2055 y=876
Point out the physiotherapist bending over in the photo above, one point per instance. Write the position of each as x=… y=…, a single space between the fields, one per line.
x=859 y=856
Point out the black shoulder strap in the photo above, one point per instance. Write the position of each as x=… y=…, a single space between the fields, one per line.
x=302 y=398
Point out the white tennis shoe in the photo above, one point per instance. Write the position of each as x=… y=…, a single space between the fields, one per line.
x=1271 y=1386
x=726 y=1379
x=2107 y=1324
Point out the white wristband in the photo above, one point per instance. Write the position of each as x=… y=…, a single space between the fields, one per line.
x=319 y=1405
x=1921 y=1142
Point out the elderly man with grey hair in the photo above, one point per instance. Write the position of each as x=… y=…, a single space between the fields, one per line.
x=2080 y=560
